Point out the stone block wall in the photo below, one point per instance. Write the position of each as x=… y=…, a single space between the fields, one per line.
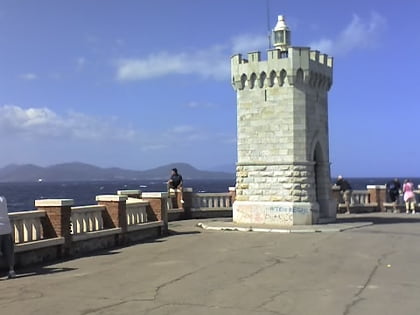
x=290 y=183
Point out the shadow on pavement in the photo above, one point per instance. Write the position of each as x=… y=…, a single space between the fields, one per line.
x=380 y=219
x=174 y=232
x=37 y=271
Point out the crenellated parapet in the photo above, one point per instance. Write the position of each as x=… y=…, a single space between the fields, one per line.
x=296 y=66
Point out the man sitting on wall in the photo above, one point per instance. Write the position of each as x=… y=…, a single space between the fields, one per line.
x=175 y=183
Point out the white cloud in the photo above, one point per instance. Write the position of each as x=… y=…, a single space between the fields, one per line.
x=358 y=34
x=249 y=43
x=28 y=76
x=36 y=123
x=210 y=63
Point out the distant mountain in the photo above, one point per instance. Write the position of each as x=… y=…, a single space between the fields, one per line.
x=186 y=170
x=85 y=172
x=226 y=168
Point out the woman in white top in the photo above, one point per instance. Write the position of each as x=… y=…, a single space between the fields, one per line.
x=6 y=239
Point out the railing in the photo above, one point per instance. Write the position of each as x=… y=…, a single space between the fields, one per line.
x=212 y=201
x=86 y=219
x=136 y=211
x=27 y=226
x=360 y=197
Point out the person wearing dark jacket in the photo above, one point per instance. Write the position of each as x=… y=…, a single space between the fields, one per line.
x=394 y=188
x=346 y=191
x=175 y=183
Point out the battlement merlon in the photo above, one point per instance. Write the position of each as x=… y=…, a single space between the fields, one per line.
x=310 y=61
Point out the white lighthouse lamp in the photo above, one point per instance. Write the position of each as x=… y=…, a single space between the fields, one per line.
x=281 y=34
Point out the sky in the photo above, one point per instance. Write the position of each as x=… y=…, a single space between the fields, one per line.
x=138 y=84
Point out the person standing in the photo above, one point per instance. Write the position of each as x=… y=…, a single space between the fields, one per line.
x=345 y=190
x=409 y=196
x=394 y=188
x=6 y=239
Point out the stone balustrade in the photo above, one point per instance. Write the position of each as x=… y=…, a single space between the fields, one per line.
x=59 y=229
x=87 y=219
x=207 y=201
x=27 y=226
x=136 y=211
x=360 y=197
x=205 y=205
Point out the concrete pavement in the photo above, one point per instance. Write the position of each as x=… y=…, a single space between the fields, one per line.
x=372 y=269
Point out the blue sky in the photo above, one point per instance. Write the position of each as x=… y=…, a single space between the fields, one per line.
x=138 y=84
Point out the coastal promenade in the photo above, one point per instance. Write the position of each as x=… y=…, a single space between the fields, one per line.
x=373 y=269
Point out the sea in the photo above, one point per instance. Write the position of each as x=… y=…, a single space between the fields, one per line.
x=22 y=196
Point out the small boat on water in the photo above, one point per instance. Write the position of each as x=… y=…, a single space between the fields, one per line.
x=40 y=180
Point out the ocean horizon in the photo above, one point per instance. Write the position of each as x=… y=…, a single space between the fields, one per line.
x=21 y=196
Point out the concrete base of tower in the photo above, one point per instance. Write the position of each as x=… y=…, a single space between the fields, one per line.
x=328 y=211
x=275 y=213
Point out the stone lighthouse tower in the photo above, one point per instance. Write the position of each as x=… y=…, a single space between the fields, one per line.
x=283 y=169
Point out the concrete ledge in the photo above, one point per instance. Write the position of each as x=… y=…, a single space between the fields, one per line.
x=24 y=247
x=376 y=187
x=144 y=226
x=146 y=195
x=210 y=209
x=53 y=202
x=26 y=215
x=91 y=208
x=129 y=192
x=135 y=201
x=111 y=198
x=95 y=234
x=230 y=226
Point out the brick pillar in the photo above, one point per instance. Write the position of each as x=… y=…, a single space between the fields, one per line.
x=132 y=193
x=377 y=193
x=116 y=212
x=158 y=208
x=57 y=223
x=188 y=201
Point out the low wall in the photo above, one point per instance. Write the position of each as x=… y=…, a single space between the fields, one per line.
x=59 y=230
x=374 y=199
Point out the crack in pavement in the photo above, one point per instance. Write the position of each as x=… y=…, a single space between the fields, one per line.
x=211 y=306
x=259 y=270
x=357 y=297
x=163 y=285
x=269 y=300
x=153 y=299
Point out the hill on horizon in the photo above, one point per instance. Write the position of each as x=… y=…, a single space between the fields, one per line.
x=77 y=171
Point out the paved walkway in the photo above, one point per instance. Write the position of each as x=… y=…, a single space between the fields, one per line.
x=372 y=269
